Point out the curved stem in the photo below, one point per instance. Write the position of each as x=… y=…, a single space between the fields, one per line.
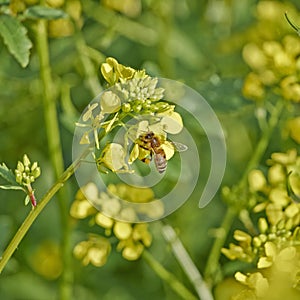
x=213 y=260
x=37 y=210
x=168 y=277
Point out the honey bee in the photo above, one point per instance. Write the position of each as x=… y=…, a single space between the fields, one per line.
x=153 y=143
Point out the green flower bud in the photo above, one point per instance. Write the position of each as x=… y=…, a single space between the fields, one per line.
x=26 y=160
x=153 y=108
x=37 y=172
x=19 y=177
x=146 y=106
x=137 y=108
x=20 y=167
x=126 y=107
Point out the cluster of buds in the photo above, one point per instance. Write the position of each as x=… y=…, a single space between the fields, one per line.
x=26 y=173
x=275 y=246
x=132 y=238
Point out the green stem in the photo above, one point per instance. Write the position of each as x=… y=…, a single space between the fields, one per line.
x=212 y=264
x=168 y=277
x=55 y=152
x=89 y=69
x=36 y=211
x=213 y=260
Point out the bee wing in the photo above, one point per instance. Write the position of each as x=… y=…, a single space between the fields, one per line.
x=180 y=147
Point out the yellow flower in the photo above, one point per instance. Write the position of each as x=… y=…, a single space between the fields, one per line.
x=294 y=129
x=257 y=180
x=94 y=251
x=253 y=88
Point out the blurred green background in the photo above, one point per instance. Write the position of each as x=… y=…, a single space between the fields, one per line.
x=197 y=42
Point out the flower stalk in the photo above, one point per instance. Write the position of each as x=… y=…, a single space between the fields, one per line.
x=234 y=208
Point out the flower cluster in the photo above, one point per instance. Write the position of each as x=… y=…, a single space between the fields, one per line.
x=276 y=246
x=132 y=238
x=133 y=94
x=274 y=64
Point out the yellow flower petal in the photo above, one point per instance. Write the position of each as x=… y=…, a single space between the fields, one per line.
x=169 y=149
x=264 y=262
x=270 y=249
x=113 y=156
x=172 y=123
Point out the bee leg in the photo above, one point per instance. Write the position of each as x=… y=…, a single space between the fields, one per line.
x=146 y=160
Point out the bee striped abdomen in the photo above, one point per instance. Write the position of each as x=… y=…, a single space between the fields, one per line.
x=160 y=160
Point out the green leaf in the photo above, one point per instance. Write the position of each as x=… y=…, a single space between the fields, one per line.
x=7 y=174
x=12 y=187
x=44 y=12
x=15 y=37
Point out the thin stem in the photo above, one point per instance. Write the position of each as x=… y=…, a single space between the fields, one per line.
x=89 y=69
x=213 y=260
x=37 y=210
x=55 y=151
x=168 y=277
x=186 y=263
x=212 y=264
